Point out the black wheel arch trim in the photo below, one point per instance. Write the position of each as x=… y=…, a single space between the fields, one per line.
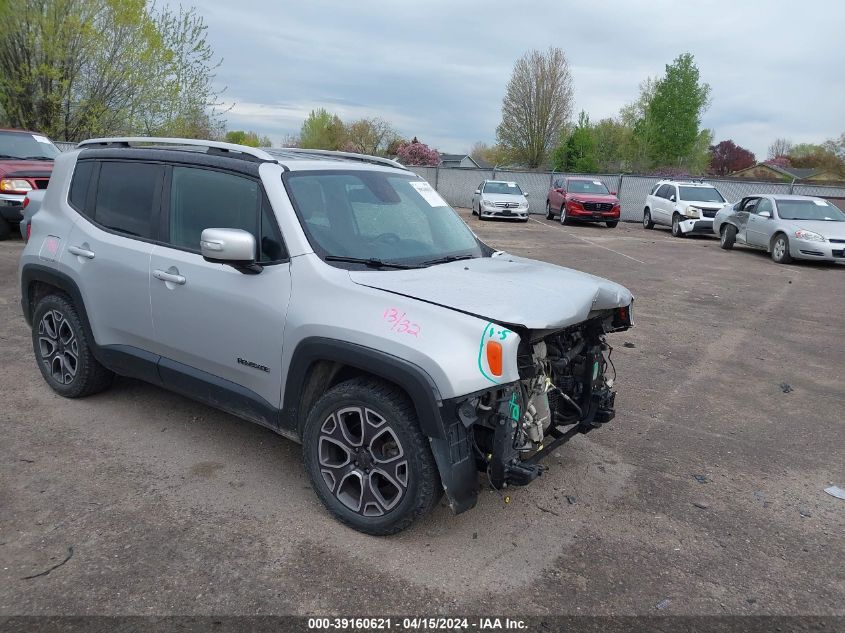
x=414 y=380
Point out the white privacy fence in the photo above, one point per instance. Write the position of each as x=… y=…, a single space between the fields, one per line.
x=457 y=185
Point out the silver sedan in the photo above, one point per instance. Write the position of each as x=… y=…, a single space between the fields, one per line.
x=788 y=227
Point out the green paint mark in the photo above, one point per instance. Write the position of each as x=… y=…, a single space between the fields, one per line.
x=484 y=334
x=514 y=407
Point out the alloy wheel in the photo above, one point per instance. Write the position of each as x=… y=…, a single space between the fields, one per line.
x=563 y=213
x=780 y=248
x=362 y=461
x=58 y=347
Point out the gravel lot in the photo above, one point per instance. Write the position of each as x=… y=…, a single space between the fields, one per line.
x=704 y=496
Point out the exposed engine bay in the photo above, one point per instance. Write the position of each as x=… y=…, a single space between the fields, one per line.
x=565 y=388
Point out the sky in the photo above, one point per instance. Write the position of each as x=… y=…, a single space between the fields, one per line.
x=437 y=69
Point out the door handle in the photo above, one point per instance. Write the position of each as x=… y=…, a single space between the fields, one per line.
x=80 y=252
x=169 y=277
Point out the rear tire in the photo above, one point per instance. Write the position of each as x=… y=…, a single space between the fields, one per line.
x=612 y=225
x=368 y=461
x=5 y=229
x=549 y=214
x=727 y=237
x=780 y=250
x=63 y=350
x=648 y=223
x=676 y=226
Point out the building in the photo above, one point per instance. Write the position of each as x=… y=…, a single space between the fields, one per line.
x=458 y=160
x=766 y=171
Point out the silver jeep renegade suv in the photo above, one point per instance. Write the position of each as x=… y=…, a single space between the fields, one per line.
x=334 y=298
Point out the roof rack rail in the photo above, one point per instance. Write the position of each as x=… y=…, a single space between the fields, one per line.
x=364 y=158
x=127 y=141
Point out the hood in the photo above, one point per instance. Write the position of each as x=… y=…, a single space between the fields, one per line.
x=25 y=167
x=830 y=230
x=711 y=206
x=503 y=197
x=594 y=197
x=506 y=289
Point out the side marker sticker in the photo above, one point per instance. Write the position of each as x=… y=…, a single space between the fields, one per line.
x=492 y=331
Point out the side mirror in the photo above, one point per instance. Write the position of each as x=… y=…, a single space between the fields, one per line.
x=525 y=194
x=230 y=246
x=477 y=191
x=612 y=193
x=672 y=198
x=765 y=214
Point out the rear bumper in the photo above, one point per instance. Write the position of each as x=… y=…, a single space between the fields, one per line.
x=697 y=226
x=11 y=207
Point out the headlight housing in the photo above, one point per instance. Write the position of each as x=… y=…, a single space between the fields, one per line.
x=14 y=185
x=692 y=212
x=488 y=203
x=523 y=204
x=809 y=236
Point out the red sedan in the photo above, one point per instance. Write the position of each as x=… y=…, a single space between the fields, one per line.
x=582 y=199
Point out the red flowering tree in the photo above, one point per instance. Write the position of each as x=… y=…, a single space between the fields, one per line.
x=416 y=153
x=727 y=157
x=779 y=161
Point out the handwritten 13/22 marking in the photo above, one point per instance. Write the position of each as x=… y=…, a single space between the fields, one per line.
x=399 y=323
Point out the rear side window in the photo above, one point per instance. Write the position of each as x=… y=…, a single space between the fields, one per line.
x=127 y=195
x=80 y=185
x=203 y=198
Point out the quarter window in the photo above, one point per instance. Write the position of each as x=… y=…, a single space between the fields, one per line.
x=80 y=185
x=126 y=197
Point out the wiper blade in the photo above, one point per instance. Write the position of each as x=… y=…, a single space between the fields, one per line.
x=38 y=158
x=10 y=156
x=372 y=262
x=446 y=260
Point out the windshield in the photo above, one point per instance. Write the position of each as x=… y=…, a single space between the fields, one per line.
x=507 y=188
x=700 y=194
x=587 y=186
x=372 y=215
x=809 y=210
x=25 y=145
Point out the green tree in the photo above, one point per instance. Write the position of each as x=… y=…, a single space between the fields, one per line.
x=371 y=136
x=580 y=155
x=536 y=106
x=322 y=130
x=250 y=138
x=613 y=141
x=79 y=68
x=670 y=127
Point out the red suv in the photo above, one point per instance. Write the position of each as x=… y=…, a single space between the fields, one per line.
x=582 y=199
x=26 y=162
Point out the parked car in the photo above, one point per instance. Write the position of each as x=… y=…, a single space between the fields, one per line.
x=500 y=199
x=686 y=206
x=582 y=199
x=31 y=203
x=788 y=227
x=334 y=298
x=26 y=160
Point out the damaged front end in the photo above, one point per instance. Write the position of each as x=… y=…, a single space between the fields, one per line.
x=565 y=387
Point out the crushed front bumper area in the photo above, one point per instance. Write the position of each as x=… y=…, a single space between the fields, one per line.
x=689 y=227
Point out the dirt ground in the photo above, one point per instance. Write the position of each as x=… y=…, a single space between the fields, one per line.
x=704 y=495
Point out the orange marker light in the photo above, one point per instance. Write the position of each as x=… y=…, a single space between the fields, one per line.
x=494 y=357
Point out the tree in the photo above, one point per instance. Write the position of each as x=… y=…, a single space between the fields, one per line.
x=727 y=157
x=670 y=128
x=536 y=106
x=416 y=153
x=780 y=147
x=80 y=68
x=580 y=154
x=821 y=157
x=491 y=154
x=613 y=141
x=837 y=146
x=322 y=130
x=370 y=136
x=248 y=138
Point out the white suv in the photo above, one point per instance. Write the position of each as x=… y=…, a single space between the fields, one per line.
x=685 y=205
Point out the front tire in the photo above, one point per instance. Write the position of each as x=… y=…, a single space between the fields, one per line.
x=676 y=226
x=648 y=223
x=780 y=250
x=368 y=461
x=727 y=237
x=563 y=219
x=549 y=214
x=63 y=350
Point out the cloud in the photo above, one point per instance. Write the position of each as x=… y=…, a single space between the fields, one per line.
x=438 y=69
